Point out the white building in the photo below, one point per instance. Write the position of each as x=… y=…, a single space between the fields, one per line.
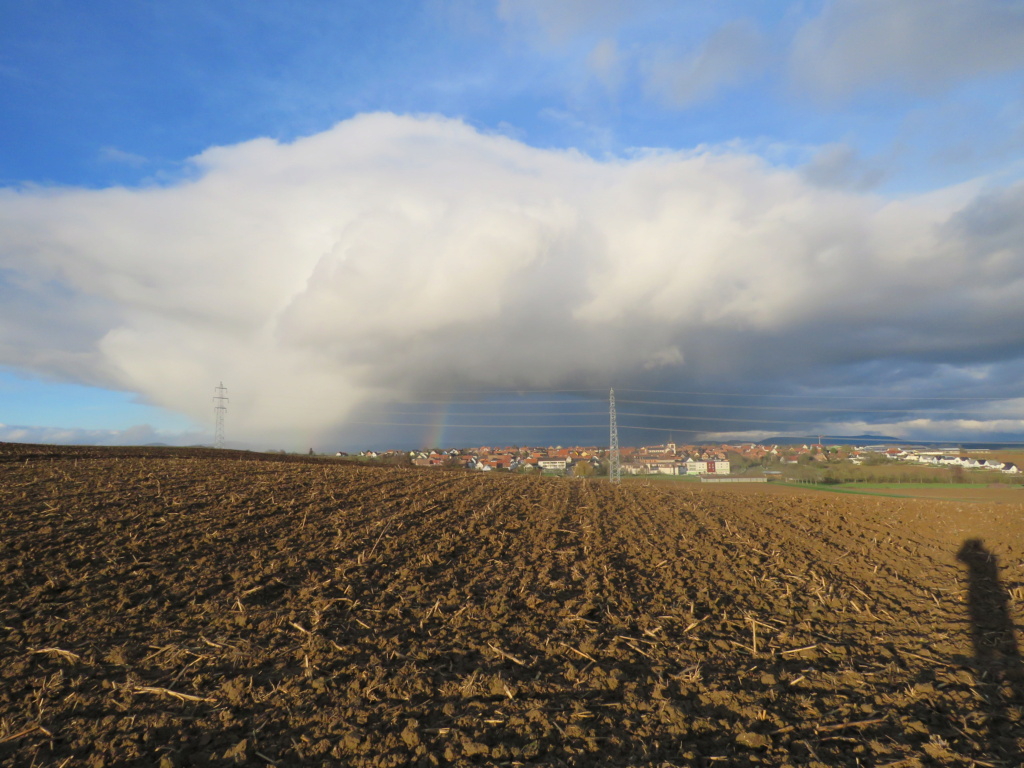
x=709 y=467
x=556 y=465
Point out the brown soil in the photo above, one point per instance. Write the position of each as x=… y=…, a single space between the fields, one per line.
x=176 y=608
x=978 y=494
x=993 y=493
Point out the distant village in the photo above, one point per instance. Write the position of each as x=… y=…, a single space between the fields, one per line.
x=672 y=459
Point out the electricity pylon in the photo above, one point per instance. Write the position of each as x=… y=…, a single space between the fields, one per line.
x=219 y=409
x=614 y=461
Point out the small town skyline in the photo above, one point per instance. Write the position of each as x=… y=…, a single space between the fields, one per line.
x=688 y=459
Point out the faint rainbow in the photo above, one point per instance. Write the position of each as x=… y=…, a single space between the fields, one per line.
x=435 y=434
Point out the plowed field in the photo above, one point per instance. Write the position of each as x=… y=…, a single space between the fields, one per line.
x=174 y=609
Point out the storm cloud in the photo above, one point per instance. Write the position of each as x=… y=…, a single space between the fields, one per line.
x=393 y=254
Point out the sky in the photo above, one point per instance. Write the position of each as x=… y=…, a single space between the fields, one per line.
x=420 y=222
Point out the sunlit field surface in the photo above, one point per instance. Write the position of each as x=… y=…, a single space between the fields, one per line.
x=174 y=607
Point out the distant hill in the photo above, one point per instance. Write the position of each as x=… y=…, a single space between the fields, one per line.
x=885 y=440
x=838 y=440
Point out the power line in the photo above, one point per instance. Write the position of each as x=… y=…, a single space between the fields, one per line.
x=477 y=403
x=678 y=404
x=521 y=392
x=833 y=437
x=706 y=419
x=810 y=396
x=448 y=425
x=669 y=429
x=721 y=418
x=531 y=413
x=455 y=418
x=822 y=408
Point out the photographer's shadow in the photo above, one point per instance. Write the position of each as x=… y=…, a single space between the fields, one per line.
x=997 y=663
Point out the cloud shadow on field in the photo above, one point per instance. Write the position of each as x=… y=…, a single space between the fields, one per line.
x=997 y=663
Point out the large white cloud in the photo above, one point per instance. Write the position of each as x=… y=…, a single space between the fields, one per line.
x=394 y=253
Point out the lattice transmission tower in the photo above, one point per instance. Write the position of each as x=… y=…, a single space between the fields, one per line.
x=219 y=409
x=614 y=460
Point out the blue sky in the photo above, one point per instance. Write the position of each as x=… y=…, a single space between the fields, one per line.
x=344 y=209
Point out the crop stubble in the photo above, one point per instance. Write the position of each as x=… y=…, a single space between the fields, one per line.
x=175 y=608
